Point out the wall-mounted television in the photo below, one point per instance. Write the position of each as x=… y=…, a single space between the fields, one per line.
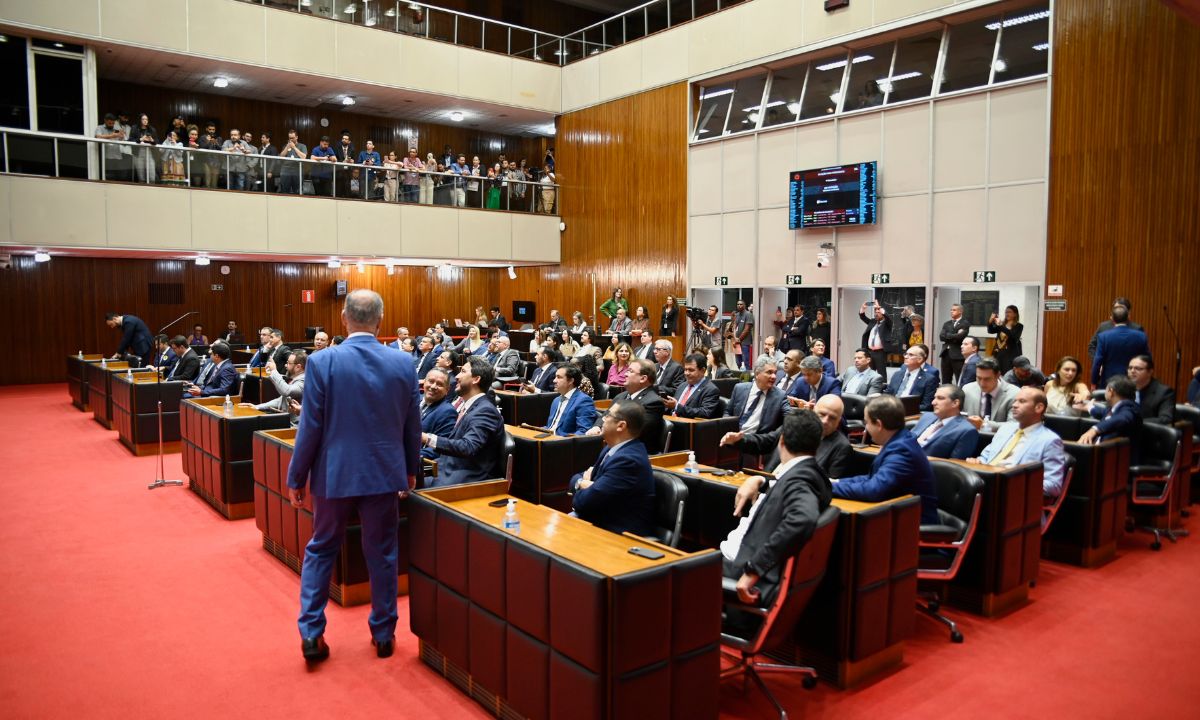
x=832 y=196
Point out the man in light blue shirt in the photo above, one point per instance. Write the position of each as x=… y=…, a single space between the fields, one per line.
x=1025 y=439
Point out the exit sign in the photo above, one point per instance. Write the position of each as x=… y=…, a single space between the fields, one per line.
x=217 y=288
x=793 y=280
x=721 y=280
x=881 y=279
x=307 y=296
x=985 y=276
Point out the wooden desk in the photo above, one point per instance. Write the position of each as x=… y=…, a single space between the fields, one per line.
x=1092 y=516
x=857 y=621
x=704 y=437
x=218 y=455
x=286 y=530
x=532 y=408
x=100 y=389
x=257 y=388
x=135 y=411
x=543 y=467
x=77 y=378
x=560 y=621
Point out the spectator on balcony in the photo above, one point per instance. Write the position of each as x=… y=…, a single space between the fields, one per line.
x=322 y=174
x=391 y=182
x=492 y=201
x=459 y=170
x=426 y=182
x=443 y=186
x=179 y=127
x=211 y=162
x=195 y=163
x=235 y=165
x=549 y=161
x=172 y=160
x=116 y=163
x=268 y=169
x=143 y=158
x=474 y=193
x=252 y=164
x=412 y=175
x=355 y=185
x=289 y=172
x=519 y=175
x=547 y=181
x=369 y=157
x=447 y=158
x=346 y=152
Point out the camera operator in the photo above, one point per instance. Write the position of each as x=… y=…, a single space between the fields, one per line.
x=706 y=329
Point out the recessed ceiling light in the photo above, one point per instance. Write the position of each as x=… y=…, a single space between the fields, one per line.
x=221 y=82
x=347 y=100
x=335 y=264
x=391 y=12
x=351 y=9
x=456 y=116
x=1000 y=66
x=57 y=45
x=842 y=63
x=1040 y=47
x=41 y=257
x=794 y=108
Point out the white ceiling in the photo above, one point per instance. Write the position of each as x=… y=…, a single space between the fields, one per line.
x=141 y=66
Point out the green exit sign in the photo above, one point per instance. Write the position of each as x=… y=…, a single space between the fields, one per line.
x=793 y=280
x=721 y=280
x=881 y=279
x=985 y=276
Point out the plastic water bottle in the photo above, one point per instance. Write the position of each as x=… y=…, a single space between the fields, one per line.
x=129 y=374
x=227 y=408
x=103 y=363
x=692 y=467
x=512 y=523
x=80 y=354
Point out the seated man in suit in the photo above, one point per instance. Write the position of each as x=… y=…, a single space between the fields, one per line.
x=621 y=324
x=135 y=336
x=944 y=432
x=187 y=363
x=669 y=372
x=987 y=400
x=507 y=361
x=320 y=340
x=542 y=379
x=555 y=323
x=645 y=348
x=223 y=377
x=438 y=414
x=915 y=378
x=782 y=511
x=473 y=450
x=639 y=387
x=971 y=358
x=265 y=350
x=425 y=357
x=697 y=397
x=834 y=454
x=1122 y=418
x=1156 y=400
x=273 y=349
x=1025 y=439
x=900 y=468
x=572 y=412
x=1116 y=347
x=859 y=378
x=815 y=386
x=757 y=405
x=163 y=359
x=617 y=493
x=401 y=335
x=789 y=371
x=290 y=387
x=772 y=352
x=1024 y=374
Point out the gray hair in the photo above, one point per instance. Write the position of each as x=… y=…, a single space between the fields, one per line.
x=664 y=344
x=364 y=307
x=954 y=392
x=762 y=362
x=811 y=363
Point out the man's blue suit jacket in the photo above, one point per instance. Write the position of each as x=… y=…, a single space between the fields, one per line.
x=828 y=386
x=221 y=381
x=439 y=420
x=360 y=430
x=621 y=497
x=426 y=363
x=1041 y=445
x=957 y=439
x=772 y=403
x=968 y=372
x=473 y=450
x=577 y=418
x=543 y=379
x=900 y=468
x=1122 y=420
x=924 y=386
x=1114 y=349
x=704 y=402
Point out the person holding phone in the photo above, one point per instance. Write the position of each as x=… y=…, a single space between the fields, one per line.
x=1008 y=337
x=874 y=338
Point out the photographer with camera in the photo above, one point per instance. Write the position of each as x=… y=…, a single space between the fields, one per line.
x=706 y=328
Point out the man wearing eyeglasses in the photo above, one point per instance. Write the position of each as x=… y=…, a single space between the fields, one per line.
x=915 y=378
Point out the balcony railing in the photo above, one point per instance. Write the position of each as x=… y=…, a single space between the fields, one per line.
x=459 y=28
x=72 y=156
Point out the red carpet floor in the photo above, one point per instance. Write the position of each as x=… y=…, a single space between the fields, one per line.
x=122 y=602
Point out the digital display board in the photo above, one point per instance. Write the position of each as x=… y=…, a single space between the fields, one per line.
x=831 y=196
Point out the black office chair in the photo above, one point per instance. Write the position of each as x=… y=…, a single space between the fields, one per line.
x=855 y=405
x=943 y=546
x=510 y=450
x=722 y=406
x=667 y=429
x=1051 y=508
x=798 y=580
x=1191 y=413
x=670 y=494
x=1153 y=479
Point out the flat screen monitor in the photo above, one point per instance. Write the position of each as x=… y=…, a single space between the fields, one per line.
x=523 y=312
x=832 y=196
x=340 y=288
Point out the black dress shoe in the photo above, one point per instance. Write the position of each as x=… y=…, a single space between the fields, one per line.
x=314 y=649
x=384 y=648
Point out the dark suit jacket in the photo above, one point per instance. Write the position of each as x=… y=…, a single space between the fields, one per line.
x=772 y=403
x=952 y=334
x=438 y=420
x=282 y=353
x=967 y=376
x=222 y=381
x=885 y=330
x=900 y=468
x=1105 y=327
x=621 y=497
x=187 y=367
x=784 y=521
x=795 y=334
x=924 y=386
x=545 y=381
x=1158 y=403
x=828 y=386
x=165 y=361
x=475 y=448
x=499 y=321
x=1121 y=420
x=426 y=363
x=644 y=352
x=957 y=439
x=669 y=376
x=135 y=337
x=279 y=355
x=651 y=435
x=834 y=454
x=578 y=416
x=1114 y=349
x=705 y=401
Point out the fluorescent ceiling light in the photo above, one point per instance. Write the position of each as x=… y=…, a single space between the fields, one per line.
x=391 y=12
x=347 y=100
x=1019 y=20
x=362 y=267
x=794 y=108
x=221 y=82
x=702 y=131
x=716 y=93
x=58 y=45
x=41 y=257
x=1040 y=47
x=770 y=105
x=335 y=264
x=512 y=273
x=203 y=261
x=456 y=116
x=901 y=76
x=351 y=9
x=842 y=63
x=1000 y=66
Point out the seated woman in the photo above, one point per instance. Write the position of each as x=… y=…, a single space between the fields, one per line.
x=577 y=323
x=620 y=367
x=827 y=366
x=566 y=345
x=641 y=321
x=538 y=340
x=1064 y=390
x=717 y=368
x=591 y=379
x=472 y=344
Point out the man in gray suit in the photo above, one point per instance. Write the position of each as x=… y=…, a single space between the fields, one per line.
x=293 y=390
x=989 y=398
x=508 y=361
x=861 y=379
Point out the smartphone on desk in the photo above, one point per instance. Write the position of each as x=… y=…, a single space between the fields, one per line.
x=646 y=553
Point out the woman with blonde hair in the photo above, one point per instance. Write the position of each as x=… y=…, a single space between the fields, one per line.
x=1064 y=388
x=620 y=367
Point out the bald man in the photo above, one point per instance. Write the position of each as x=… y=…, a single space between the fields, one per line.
x=1026 y=439
x=833 y=455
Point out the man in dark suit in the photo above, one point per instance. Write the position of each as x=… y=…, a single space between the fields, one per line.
x=670 y=373
x=816 y=385
x=954 y=331
x=498 y=321
x=425 y=357
x=782 y=512
x=944 y=432
x=1156 y=400
x=757 y=405
x=187 y=362
x=900 y=468
x=875 y=337
x=272 y=349
x=1109 y=325
x=834 y=454
x=437 y=413
x=542 y=379
x=915 y=378
x=795 y=332
x=162 y=359
x=357 y=448
x=1122 y=417
x=971 y=357
x=474 y=450
x=696 y=397
x=572 y=412
x=1116 y=347
x=645 y=348
x=135 y=336
x=639 y=387
x=222 y=378
x=617 y=493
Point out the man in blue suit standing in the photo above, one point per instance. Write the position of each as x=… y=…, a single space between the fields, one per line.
x=1025 y=439
x=915 y=378
x=1116 y=347
x=943 y=432
x=816 y=385
x=473 y=448
x=572 y=412
x=617 y=493
x=438 y=415
x=357 y=449
x=900 y=468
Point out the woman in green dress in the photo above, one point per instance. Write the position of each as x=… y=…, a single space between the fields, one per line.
x=609 y=308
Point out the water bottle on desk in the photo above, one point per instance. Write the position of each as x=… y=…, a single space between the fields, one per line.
x=80 y=354
x=227 y=408
x=692 y=467
x=512 y=523
x=129 y=374
x=103 y=363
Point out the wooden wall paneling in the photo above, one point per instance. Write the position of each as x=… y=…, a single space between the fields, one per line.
x=1125 y=175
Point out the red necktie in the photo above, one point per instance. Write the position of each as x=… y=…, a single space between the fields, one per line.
x=686 y=394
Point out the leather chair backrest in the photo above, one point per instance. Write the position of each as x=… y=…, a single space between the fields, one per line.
x=725 y=385
x=601 y=392
x=1065 y=426
x=722 y=405
x=956 y=488
x=1189 y=413
x=510 y=449
x=855 y=405
x=1157 y=443
x=670 y=493
x=912 y=404
x=807 y=569
x=667 y=428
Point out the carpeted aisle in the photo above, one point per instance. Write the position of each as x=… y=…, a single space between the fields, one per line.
x=122 y=602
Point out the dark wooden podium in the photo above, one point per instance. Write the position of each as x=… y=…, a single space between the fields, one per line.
x=257 y=387
x=77 y=378
x=135 y=412
x=530 y=408
x=542 y=467
x=704 y=438
x=100 y=389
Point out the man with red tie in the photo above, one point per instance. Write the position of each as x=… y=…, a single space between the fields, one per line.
x=696 y=397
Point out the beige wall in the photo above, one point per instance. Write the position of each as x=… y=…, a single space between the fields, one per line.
x=119 y=216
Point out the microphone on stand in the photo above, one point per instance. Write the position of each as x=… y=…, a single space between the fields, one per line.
x=1178 y=347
